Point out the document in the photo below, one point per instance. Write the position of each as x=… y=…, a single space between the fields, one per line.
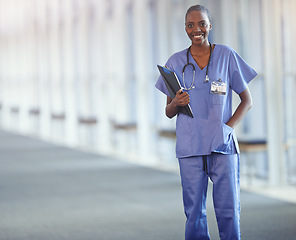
x=173 y=85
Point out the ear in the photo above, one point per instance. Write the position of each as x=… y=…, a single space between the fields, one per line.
x=210 y=27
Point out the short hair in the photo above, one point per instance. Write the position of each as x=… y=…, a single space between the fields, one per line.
x=199 y=8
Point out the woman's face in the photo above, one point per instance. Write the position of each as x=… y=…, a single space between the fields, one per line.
x=198 y=27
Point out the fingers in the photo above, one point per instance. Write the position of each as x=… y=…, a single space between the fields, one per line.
x=182 y=98
x=179 y=93
x=184 y=102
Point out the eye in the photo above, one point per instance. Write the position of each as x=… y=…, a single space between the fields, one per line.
x=189 y=25
x=203 y=24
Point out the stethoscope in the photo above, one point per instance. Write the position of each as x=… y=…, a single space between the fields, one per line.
x=193 y=77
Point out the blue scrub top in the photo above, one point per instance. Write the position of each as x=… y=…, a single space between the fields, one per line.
x=207 y=131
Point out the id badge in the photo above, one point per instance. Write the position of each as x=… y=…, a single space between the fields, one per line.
x=218 y=87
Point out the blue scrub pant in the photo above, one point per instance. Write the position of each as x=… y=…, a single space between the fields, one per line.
x=223 y=170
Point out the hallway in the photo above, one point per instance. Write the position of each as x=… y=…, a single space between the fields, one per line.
x=57 y=193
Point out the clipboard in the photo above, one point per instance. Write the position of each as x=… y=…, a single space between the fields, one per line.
x=173 y=85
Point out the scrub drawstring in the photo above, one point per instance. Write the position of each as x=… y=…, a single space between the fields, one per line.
x=205 y=164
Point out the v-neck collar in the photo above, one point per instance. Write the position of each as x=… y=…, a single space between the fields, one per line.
x=191 y=59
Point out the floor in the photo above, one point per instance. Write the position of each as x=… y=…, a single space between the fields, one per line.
x=57 y=193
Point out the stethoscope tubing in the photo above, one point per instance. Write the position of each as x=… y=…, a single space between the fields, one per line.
x=193 y=68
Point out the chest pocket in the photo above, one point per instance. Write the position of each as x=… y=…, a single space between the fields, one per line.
x=218 y=99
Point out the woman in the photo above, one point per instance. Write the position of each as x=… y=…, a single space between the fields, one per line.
x=206 y=144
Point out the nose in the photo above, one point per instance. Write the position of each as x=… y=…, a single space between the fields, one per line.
x=197 y=28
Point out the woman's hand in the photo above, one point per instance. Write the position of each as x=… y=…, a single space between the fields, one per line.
x=181 y=99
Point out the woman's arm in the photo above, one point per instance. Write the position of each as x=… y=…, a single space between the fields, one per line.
x=242 y=109
x=172 y=107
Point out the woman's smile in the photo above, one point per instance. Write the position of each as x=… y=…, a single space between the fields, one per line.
x=197 y=36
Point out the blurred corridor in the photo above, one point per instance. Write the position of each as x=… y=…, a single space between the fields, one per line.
x=80 y=74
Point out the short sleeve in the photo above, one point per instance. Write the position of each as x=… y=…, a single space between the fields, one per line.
x=160 y=85
x=240 y=73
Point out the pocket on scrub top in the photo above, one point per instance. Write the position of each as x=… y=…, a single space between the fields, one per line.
x=224 y=145
x=218 y=99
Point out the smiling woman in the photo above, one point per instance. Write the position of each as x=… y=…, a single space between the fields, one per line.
x=198 y=24
x=207 y=146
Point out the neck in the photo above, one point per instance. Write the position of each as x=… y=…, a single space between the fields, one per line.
x=200 y=49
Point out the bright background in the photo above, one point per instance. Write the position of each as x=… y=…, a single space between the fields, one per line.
x=81 y=73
